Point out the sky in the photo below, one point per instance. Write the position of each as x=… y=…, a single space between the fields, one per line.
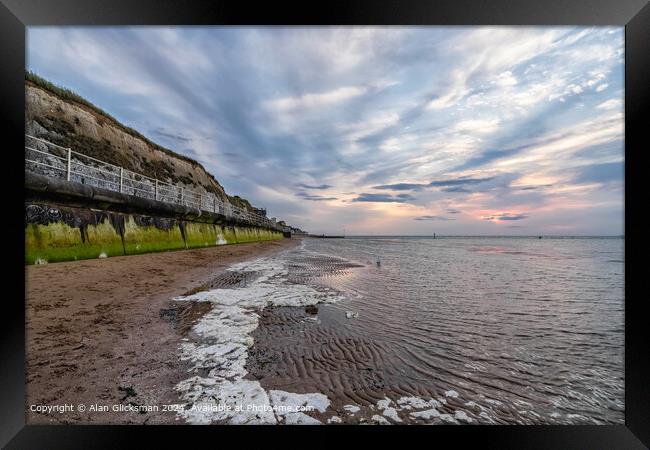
x=374 y=130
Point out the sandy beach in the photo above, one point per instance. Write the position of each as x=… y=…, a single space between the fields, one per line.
x=107 y=332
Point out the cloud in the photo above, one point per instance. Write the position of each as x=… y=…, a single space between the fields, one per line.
x=611 y=104
x=451 y=185
x=505 y=216
x=317 y=99
x=533 y=188
x=308 y=186
x=506 y=79
x=401 y=186
x=477 y=125
x=441 y=218
x=453 y=211
x=314 y=198
x=456 y=189
x=459 y=182
x=383 y=198
x=495 y=50
x=173 y=136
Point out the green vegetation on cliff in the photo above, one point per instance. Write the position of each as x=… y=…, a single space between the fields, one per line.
x=241 y=202
x=99 y=238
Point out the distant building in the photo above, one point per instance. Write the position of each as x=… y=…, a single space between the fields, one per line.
x=298 y=231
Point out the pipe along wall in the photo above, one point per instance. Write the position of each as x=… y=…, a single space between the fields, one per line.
x=55 y=232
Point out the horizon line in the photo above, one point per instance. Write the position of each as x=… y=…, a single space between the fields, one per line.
x=469 y=235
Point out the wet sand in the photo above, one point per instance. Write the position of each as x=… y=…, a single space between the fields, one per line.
x=106 y=331
x=301 y=350
x=308 y=349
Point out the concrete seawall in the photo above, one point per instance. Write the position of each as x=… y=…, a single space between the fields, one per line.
x=67 y=221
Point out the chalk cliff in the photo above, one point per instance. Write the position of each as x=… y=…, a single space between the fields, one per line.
x=64 y=118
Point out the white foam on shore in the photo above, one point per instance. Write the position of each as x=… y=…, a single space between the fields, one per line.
x=289 y=407
x=380 y=420
x=451 y=393
x=426 y=414
x=300 y=418
x=462 y=415
x=224 y=338
x=417 y=403
x=234 y=402
x=418 y=408
x=351 y=408
x=388 y=411
x=448 y=418
x=315 y=401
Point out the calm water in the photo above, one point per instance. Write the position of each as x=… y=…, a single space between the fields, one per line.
x=523 y=330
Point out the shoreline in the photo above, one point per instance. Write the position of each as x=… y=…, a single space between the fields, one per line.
x=257 y=326
x=107 y=332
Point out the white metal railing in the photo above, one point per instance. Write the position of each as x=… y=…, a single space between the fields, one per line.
x=60 y=162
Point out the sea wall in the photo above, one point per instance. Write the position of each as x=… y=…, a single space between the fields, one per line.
x=56 y=232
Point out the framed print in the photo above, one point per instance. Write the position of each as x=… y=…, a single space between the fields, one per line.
x=381 y=214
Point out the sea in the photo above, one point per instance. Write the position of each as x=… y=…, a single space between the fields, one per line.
x=390 y=329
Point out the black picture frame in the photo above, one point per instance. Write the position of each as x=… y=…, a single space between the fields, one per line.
x=16 y=15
